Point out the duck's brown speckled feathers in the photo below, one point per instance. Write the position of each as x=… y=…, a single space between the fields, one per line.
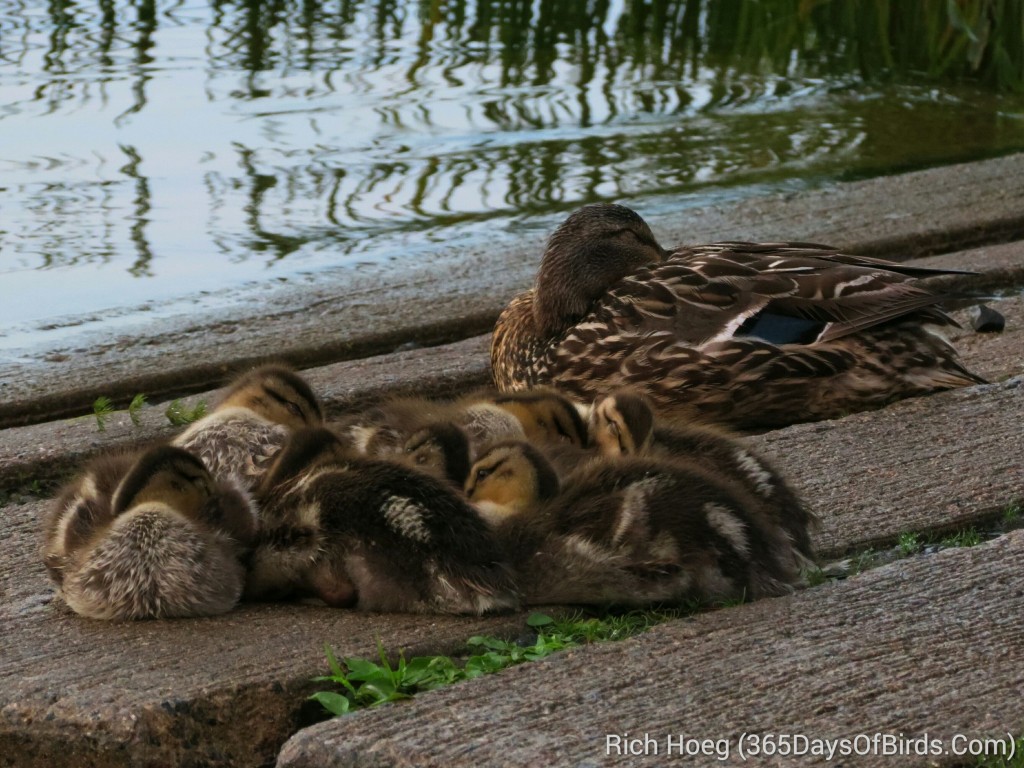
x=374 y=535
x=166 y=542
x=747 y=334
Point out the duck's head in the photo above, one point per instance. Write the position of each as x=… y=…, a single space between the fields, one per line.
x=276 y=393
x=594 y=248
x=510 y=479
x=621 y=424
x=172 y=477
x=441 y=449
x=307 y=450
x=545 y=416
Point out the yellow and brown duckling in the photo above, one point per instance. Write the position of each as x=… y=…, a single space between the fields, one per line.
x=751 y=335
x=370 y=534
x=167 y=542
x=239 y=437
x=628 y=532
x=624 y=424
x=486 y=417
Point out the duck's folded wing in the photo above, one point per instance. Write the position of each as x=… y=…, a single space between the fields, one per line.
x=727 y=290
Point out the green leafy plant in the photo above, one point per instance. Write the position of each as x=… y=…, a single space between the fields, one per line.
x=134 y=408
x=102 y=407
x=1011 y=515
x=180 y=414
x=966 y=538
x=1012 y=758
x=909 y=543
x=368 y=683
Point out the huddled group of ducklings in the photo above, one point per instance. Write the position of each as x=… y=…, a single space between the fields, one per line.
x=481 y=504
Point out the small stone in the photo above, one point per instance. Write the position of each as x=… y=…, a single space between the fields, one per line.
x=987 y=320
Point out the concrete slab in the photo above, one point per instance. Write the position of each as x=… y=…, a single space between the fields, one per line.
x=936 y=463
x=454 y=293
x=228 y=691
x=928 y=647
x=225 y=691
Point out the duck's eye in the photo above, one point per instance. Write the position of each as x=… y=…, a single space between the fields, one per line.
x=294 y=409
x=482 y=473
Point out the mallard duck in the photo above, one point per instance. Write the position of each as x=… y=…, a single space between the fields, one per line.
x=239 y=437
x=166 y=542
x=370 y=534
x=624 y=424
x=752 y=335
x=627 y=532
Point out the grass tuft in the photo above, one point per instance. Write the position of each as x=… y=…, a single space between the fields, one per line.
x=369 y=683
x=102 y=408
x=181 y=415
x=135 y=407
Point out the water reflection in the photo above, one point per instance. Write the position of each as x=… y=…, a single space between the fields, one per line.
x=195 y=145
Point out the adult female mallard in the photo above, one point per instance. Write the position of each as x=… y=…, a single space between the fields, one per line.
x=751 y=335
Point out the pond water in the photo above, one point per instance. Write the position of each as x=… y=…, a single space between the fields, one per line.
x=154 y=154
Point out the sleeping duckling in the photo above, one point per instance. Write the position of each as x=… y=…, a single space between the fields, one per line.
x=240 y=436
x=628 y=532
x=546 y=416
x=751 y=335
x=167 y=543
x=486 y=418
x=623 y=424
x=510 y=482
x=371 y=534
x=440 y=449
x=82 y=505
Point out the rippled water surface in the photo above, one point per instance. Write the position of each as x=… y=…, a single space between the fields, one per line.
x=156 y=152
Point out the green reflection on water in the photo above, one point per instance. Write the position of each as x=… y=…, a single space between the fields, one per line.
x=199 y=144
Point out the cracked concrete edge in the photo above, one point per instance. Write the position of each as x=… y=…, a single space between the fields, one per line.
x=810 y=664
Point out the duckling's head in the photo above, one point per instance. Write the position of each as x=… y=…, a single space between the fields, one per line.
x=594 y=248
x=441 y=449
x=621 y=424
x=306 y=451
x=168 y=475
x=510 y=479
x=276 y=393
x=174 y=478
x=546 y=416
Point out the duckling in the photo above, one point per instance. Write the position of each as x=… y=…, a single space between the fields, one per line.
x=82 y=505
x=167 y=542
x=486 y=417
x=623 y=424
x=545 y=415
x=628 y=532
x=748 y=335
x=370 y=534
x=510 y=481
x=439 y=449
x=239 y=438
